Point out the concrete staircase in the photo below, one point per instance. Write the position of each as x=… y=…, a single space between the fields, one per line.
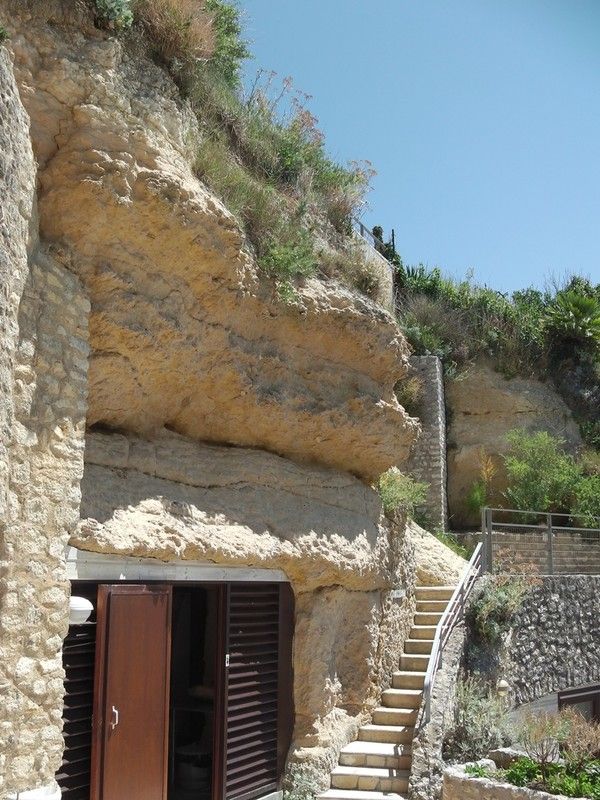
x=377 y=766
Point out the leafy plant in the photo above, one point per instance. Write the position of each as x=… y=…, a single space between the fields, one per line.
x=478 y=771
x=3 y=33
x=586 y=505
x=479 y=725
x=478 y=494
x=573 y=320
x=115 y=13
x=522 y=772
x=290 y=258
x=230 y=48
x=541 y=476
x=399 y=491
x=493 y=607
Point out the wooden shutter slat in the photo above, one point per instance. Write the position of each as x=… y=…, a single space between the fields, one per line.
x=252 y=691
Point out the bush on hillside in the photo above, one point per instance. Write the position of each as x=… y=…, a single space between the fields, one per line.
x=586 y=503
x=541 y=475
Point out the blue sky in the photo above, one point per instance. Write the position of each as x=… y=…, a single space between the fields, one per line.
x=482 y=118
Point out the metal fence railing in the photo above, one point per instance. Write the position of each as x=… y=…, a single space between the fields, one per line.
x=454 y=613
x=532 y=542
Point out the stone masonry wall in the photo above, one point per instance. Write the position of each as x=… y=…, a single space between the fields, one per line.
x=555 y=642
x=43 y=364
x=460 y=786
x=428 y=457
x=46 y=464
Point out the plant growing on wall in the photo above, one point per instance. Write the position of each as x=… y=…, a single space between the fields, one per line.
x=401 y=492
x=478 y=495
x=495 y=603
x=117 y=14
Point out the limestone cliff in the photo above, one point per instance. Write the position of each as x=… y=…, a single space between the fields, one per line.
x=185 y=333
x=190 y=351
x=483 y=407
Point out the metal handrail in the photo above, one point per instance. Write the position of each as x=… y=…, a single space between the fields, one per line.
x=450 y=618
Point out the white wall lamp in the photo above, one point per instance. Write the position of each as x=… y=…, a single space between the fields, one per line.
x=80 y=610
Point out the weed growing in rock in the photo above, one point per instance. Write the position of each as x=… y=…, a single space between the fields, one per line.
x=303 y=782
x=495 y=603
x=401 y=492
x=117 y=14
x=3 y=34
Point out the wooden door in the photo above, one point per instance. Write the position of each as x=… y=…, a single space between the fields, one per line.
x=131 y=697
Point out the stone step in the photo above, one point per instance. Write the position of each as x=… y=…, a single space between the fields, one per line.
x=408 y=679
x=422 y=618
x=423 y=632
x=427 y=606
x=422 y=646
x=395 y=716
x=391 y=734
x=376 y=754
x=434 y=592
x=402 y=698
x=370 y=779
x=355 y=794
x=414 y=662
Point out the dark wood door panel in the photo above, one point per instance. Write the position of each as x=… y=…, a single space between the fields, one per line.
x=132 y=701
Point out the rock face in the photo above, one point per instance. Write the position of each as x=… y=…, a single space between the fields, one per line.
x=436 y=564
x=483 y=407
x=184 y=332
x=174 y=498
x=190 y=352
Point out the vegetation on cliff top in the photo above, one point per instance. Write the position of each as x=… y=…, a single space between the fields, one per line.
x=552 y=334
x=261 y=152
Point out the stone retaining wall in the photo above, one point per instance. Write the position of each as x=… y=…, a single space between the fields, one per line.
x=459 y=786
x=555 y=641
x=428 y=457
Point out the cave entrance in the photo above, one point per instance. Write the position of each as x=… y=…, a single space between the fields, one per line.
x=178 y=691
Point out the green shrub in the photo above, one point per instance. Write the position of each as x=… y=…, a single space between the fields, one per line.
x=115 y=13
x=494 y=605
x=230 y=48
x=401 y=492
x=522 y=772
x=586 y=505
x=479 y=724
x=3 y=34
x=285 y=260
x=541 y=476
x=590 y=433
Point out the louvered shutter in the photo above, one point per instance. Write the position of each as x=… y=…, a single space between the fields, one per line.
x=79 y=650
x=255 y=690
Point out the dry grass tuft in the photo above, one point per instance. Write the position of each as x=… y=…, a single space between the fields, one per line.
x=181 y=31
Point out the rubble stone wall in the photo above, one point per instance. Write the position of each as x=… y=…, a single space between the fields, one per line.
x=555 y=641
